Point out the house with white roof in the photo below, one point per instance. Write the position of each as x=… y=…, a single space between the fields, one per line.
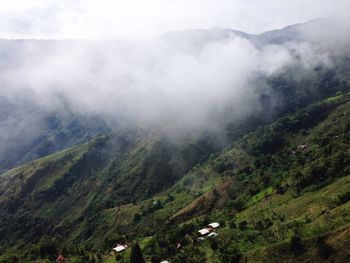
x=203 y=231
x=120 y=248
x=214 y=225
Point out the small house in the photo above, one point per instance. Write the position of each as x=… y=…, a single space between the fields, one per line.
x=120 y=248
x=203 y=231
x=213 y=234
x=214 y=225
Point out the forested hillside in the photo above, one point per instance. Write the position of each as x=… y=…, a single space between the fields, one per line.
x=270 y=163
x=283 y=180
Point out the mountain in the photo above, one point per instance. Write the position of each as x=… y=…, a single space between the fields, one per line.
x=38 y=124
x=333 y=36
x=328 y=32
x=29 y=131
x=261 y=189
x=275 y=178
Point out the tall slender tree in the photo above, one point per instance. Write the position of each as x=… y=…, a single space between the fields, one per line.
x=136 y=254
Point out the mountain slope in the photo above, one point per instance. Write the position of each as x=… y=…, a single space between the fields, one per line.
x=276 y=192
x=29 y=131
x=275 y=176
x=86 y=193
x=64 y=194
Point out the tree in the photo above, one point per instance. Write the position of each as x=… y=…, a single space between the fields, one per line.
x=324 y=250
x=155 y=259
x=47 y=249
x=137 y=218
x=230 y=254
x=214 y=244
x=243 y=225
x=296 y=247
x=232 y=224
x=136 y=255
x=206 y=221
x=188 y=229
x=118 y=258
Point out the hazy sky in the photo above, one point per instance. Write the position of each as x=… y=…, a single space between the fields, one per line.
x=138 y=19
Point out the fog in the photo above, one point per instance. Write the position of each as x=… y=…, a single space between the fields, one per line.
x=189 y=79
x=151 y=82
x=192 y=80
x=182 y=83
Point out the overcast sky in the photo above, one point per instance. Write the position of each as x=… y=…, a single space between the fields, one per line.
x=140 y=19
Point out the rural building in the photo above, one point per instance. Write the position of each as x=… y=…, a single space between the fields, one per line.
x=120 y=248
x=203 y=231
x=214 y=225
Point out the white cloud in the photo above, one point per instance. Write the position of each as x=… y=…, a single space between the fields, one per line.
x=151 y=82
x=108 y=19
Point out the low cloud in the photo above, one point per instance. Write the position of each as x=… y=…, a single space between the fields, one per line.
x=162 y=82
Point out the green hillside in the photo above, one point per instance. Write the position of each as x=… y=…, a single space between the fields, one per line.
x=280 y=190
x=103 y=154
x=286 y=180
x=82 y=194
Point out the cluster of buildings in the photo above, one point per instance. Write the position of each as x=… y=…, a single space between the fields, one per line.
x=209 y=231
